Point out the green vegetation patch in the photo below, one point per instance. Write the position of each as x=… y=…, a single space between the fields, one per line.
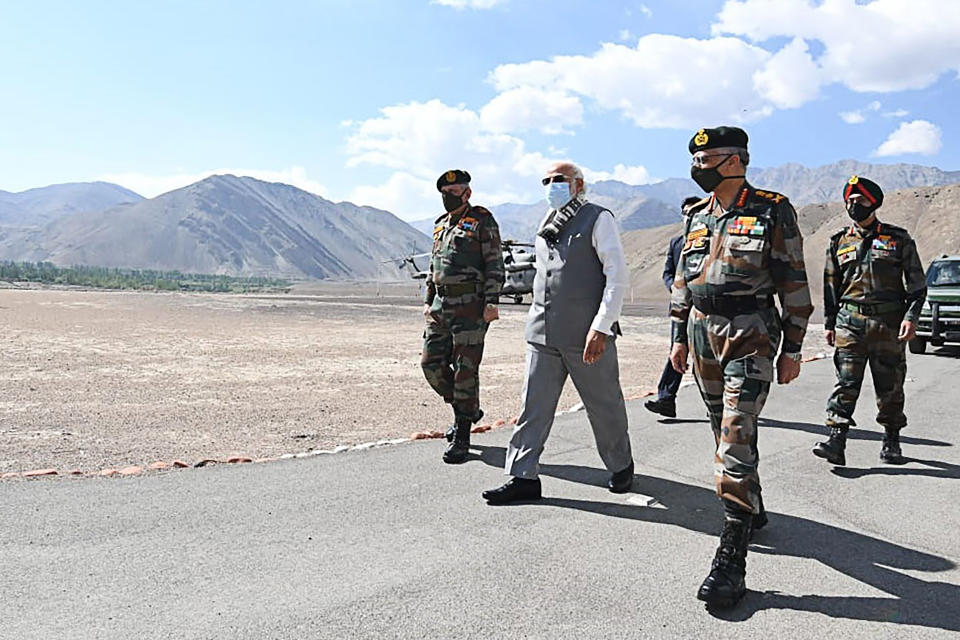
x=138 y=279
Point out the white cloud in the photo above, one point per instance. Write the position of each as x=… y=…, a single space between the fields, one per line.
x=418 y=141
x=625 y=35
x=709 y=81
x=150 y=186
x=645 y=10
x=468 y=4
x=790 y=78
x=852 y=117
x=529 y=108
x=857 y=116
x=895 y=45
x=621 y=172
x=918 y=136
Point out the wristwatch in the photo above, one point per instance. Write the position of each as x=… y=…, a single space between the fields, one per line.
x=796 y=356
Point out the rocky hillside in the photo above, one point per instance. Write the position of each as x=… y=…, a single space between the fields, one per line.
x=37 y=207
x=928 y=213
x=230 y=225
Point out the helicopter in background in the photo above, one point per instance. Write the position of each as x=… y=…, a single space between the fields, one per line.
x=518 y=262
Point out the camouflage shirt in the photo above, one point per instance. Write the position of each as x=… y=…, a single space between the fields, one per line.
x=754 y=249
x=870 y=266
x=466 y=249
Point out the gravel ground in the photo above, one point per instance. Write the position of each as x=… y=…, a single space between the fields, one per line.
x=92 y=379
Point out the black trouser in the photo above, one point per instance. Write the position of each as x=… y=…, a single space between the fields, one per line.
x=669 y=382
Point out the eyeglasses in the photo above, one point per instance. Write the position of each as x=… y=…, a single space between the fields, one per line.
x=704 y=159
x=557 y=178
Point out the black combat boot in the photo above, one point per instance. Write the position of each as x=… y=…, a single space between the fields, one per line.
x=832 y=450
x=452 y=429
x=726 y=583
x=890 y=452
x=460 y=446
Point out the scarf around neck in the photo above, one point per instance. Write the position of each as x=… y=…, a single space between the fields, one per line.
x=558 y=219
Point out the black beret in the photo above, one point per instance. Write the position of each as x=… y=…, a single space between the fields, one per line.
x=453 y=176
x=869 y=189
x=715 y=138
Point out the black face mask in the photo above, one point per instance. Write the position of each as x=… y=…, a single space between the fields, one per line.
x=858 y=212
x=451 y=202
x=710 y=179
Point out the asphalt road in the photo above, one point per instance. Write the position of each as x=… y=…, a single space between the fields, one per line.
x=389 y=542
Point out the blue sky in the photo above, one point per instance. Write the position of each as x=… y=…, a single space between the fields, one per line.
x=370 y=101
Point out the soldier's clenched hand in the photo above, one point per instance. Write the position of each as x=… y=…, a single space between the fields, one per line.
x=830 y=336
x=426 y=313
x=678 y=357
x=908 y=331
x=596 y=343
x=787 y=369
x=491 y=312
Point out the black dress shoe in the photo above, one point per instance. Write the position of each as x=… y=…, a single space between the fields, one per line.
x=667 y=408
x=515 y=490
x=621 y=481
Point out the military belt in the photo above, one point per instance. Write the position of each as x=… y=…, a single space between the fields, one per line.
x=453 y=290
x=874 y=309
x=731 y=305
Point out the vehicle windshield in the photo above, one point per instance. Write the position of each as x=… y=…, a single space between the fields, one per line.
x=943 y=273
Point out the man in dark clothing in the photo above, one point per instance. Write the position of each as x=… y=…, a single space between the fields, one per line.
x=666 y=402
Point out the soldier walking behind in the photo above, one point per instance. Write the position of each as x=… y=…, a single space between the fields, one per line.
x=741 y=246
x=869 y=315
x=463 y=288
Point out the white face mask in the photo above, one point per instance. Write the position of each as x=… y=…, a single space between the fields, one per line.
x=558 y=194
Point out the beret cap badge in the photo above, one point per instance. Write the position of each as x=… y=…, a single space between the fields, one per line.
x=451 y=177
x=701 y=138
x=853 y=180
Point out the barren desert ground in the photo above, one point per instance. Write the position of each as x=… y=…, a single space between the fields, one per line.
x=93 y=379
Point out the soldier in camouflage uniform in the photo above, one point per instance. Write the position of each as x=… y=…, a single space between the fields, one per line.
x=870 y=315
x=463 y=289
x=741 y=247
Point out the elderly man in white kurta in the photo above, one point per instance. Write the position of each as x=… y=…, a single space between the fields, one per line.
x=571 y=331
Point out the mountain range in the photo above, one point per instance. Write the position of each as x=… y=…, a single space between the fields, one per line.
x=228 y=225
x=242 y=226
x=36 y=207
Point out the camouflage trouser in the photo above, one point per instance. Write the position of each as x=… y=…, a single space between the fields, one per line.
x=452 y=350
x=862 y=339
x=733 y=367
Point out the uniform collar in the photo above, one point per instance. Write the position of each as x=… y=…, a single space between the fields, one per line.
x=862 y=232
x=452 y=216
x=743 y=197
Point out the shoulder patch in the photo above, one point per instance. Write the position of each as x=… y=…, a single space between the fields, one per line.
x=777 y=198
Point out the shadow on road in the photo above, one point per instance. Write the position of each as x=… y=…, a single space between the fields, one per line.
x=852 y=434
x=939 y=470
x=950 y=351
x=669 y=421
x=869 y=560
